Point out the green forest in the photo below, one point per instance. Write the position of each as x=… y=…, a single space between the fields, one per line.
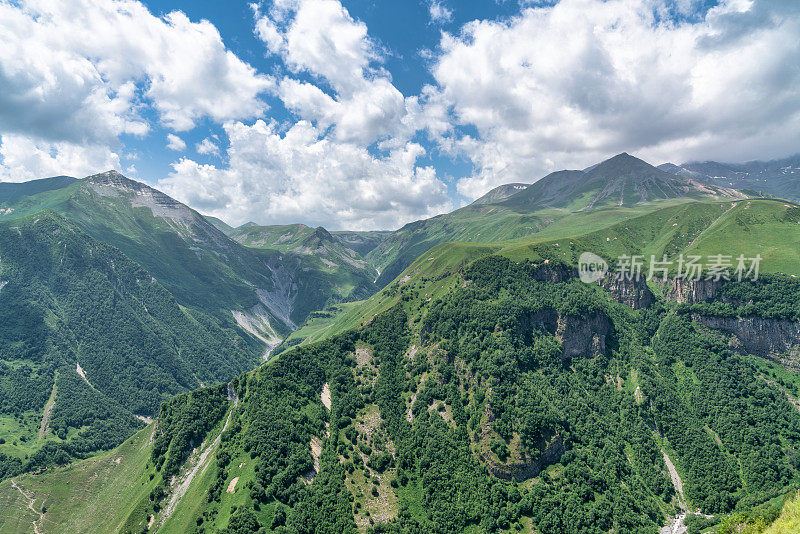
x=489 y=419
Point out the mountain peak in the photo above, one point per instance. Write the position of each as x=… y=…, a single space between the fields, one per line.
x=622 y=161
x=116 y=179
x=109 y=175
x=622 y=180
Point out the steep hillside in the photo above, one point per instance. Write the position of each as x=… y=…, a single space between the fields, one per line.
x=501 y=192
x=516 y=399
x=562 y=203
x=88 y=339
x=268 y=291
x=115 y=297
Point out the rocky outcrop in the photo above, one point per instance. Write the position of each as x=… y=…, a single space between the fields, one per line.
x=526 y=468
x=774 y=339
x=633 y=293
x=583 y=335
x=684 y=291
x=547 y=272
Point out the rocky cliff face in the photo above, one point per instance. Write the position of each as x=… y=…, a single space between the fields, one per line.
x=526 y=468
x=633 y=293
x=580 y=336
x=583 y=336
x=685 y=291
x=774 y=339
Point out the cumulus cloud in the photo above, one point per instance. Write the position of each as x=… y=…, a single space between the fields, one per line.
x=348 y=159
x=439 y=12
x=82 y=70
x=565 y=85
x=175 y=143
x=22 y=158
x=301 y=175
x=352 y=94
x=206 y=147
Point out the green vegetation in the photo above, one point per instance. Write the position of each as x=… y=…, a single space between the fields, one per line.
x=12 y=191
x=88 y=332
x=115 y=297
x=562 y=204
x=486 y=388
x=516 y=398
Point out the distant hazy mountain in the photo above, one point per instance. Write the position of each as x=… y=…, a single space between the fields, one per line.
x=623 y=182
x=780 y=178
x=500 y=192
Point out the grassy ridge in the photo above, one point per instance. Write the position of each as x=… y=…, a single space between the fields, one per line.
x=766 y=227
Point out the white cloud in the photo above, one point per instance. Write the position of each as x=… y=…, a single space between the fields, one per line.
x=175 y=143
x=301 y=175
x=82 y=71
x=321 y=38
x=348 y=160
x=207 y=146
x=23 y=159
x=439 y=12
x=352 y=94
x=566 y=85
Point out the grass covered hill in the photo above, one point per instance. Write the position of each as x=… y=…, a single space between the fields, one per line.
x=10 y=191
x=769 y=228
x=562 y=203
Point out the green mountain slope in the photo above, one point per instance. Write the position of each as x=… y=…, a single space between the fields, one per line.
x=12 y=191
x=269 y=290
x=562 y=203
x=89 y=339
x=517 y=399
x=751 y=227
x=115 y=297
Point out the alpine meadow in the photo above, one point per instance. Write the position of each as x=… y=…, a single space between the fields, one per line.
x=333 y=266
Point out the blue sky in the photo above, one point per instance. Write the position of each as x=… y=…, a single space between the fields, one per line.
x=404 y=29
x=363 y=114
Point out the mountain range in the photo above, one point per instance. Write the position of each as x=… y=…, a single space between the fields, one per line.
x=454 y=375
x=780 y=178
